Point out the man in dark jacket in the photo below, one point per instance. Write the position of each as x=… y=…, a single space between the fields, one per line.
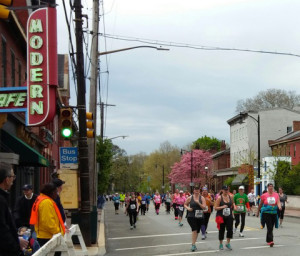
x=10 y=244
x=23 y=207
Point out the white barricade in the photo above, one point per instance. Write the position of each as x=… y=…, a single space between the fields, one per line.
x=65 y=245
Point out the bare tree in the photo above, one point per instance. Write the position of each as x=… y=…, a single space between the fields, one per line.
x=271 y=98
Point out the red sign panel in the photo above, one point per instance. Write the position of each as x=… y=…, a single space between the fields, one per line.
x=42 y=77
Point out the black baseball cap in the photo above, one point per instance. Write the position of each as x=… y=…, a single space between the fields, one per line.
x=225 y=187
x=27 y=187
x=58 y=182
x=196 y=186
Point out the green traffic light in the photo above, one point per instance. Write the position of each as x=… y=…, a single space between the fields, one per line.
x=66 y=132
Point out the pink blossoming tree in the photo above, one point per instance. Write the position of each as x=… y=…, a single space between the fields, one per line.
x=181 y=171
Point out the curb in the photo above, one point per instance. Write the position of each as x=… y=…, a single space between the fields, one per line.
x=101 y=236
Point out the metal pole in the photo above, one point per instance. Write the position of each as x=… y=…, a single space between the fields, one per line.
x=93 y=104
x=191 y=171
x=258 y=154
x=83 y=163
x=163 y=169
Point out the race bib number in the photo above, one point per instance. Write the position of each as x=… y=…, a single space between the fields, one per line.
x=271 y=200
x=132 y=206
x=205 y=209
x=226 y=211
x=168 y=200
x=180 y=208
x=198 y=214
x=282 y=204
x=240 y=208
x=117 y=201
x=143 y=202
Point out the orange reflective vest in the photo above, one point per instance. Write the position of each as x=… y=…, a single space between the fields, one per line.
x=35 y=211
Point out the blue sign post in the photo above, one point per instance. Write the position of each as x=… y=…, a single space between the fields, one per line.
x=68 y=157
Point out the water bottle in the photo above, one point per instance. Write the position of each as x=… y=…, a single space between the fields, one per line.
x=27 y=234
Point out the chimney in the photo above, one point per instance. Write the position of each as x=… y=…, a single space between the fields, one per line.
x=296 y=126
x=223 y=144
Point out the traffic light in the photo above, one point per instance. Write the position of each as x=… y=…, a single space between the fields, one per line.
x=4 y=11
x=89 y=125
x=66 y=122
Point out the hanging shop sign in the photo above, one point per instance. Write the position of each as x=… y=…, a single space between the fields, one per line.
x=38 y=98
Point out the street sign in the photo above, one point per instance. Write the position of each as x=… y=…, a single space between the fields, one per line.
x=68 y=157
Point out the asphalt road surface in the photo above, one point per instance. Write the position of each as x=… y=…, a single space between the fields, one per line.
x=160 y=235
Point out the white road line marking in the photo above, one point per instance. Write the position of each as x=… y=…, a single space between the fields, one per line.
x=153 y=246
x=260 y=247
x=166 y=245
x=131 y=237
x=188 y=253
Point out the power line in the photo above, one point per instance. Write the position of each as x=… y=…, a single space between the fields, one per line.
x=191 y=46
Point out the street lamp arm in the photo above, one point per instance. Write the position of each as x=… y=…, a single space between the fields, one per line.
x=243 y=114
x=135 y=47
x=122 y=136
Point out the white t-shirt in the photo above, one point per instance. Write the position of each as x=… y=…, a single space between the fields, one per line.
x=251 y=197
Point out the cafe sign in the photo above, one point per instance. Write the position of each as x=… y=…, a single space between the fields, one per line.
x=38 y=98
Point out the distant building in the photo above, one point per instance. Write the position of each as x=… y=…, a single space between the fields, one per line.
x=274 y=123
x=268 y=170
x=288 y=145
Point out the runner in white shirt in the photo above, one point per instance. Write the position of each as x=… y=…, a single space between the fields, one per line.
x=251 y=198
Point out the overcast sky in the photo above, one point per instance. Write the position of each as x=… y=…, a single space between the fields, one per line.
x=183 y=94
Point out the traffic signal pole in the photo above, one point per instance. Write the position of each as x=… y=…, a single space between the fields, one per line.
x=83 y=163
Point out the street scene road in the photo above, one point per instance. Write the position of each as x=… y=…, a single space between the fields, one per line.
x=160 y=235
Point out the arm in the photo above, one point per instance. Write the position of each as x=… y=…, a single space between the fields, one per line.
x=137 y=203
x=217 y=205
x=279 y=204
x=203 y=201
x=187 y=203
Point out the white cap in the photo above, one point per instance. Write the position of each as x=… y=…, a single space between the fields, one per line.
x=181 y=191
x=241 y=187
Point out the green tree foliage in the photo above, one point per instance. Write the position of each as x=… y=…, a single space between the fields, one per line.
x=288 y=178
x=163 y=158
x=104 y=156
x=207 y=143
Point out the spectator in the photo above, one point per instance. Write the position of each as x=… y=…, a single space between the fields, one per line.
x=59 y=185
x=45 y=215
x=10 y=244
x=23 y=207
x=100 y=201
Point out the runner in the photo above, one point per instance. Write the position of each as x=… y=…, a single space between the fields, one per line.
x=116 y=200
x=195 y=205
x=224 y=218
x=180 y=200
x=212 y=195
x=251 y=198
x=207 y=210
x=283 y=200
x=143 y=204
x=269 y=205
x=175 y=195
x=122 y=199
x=148 y=201
x=132 y=208
x=127 y=198
x=168 y=202
x=157 y=202
x=240 y=201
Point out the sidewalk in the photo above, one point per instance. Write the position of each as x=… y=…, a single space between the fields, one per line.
x=99 y=248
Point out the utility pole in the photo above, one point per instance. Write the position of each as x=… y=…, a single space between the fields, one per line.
x=93 y=106
x=83 y=163
x=102 y=118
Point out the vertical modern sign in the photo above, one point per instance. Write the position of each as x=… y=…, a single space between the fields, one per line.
x=42 y=77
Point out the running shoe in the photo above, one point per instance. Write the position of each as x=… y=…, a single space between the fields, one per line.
x=241 y=235
x=253 y=214
x=221 y=247
x=194 y=248
x=203 y=237
x=228 y=246
x=234 y=230
x=131 y=227
x=271 y=244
